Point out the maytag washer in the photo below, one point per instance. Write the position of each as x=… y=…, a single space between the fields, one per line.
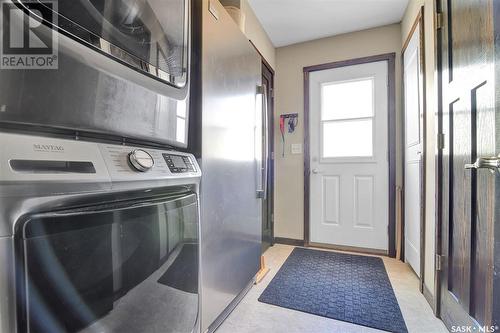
x=97 y=237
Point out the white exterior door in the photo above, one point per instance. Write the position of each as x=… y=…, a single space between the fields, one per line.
x=349 y=156
x=413 y=152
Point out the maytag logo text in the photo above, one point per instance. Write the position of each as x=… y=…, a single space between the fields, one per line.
x=48 y=148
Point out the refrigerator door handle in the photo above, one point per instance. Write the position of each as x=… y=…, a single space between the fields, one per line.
x=264 y=173
x=265 y=162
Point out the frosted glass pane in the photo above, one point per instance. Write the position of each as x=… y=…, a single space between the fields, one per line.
x=345 y=100
x=351 y=138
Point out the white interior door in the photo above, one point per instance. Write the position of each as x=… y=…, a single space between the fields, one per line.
x=413 y=151
x=349 y=156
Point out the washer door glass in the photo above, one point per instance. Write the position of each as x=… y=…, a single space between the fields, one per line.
x=150 y=35
x=132 y=268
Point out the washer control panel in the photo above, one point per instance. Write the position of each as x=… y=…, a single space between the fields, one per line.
x=26 y=158
x=129 y=163
x=179 y=163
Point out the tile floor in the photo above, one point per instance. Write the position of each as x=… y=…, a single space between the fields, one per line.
x=252 y=316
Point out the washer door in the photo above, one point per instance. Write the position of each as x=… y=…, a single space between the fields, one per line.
x=114 y=268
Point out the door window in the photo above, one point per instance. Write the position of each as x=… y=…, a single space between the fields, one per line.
x=347 y=114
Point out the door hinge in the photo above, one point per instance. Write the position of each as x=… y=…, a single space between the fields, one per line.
x=440 y=141
x=439 y=262
x=272 y=218
x=271 y=92
x=439 y=21
x=272 y=156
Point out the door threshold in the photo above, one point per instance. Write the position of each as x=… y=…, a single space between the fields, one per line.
x=345 y=248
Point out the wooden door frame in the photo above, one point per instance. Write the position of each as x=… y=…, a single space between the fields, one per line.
x=439 y=158
x=419 y=21
x=391 y=142
x=496 y=249
x=271 y=189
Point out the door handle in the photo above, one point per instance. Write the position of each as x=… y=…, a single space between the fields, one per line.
x=316 y=171
x=490 y=163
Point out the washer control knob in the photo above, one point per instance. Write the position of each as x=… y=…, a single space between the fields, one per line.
x=141 y=160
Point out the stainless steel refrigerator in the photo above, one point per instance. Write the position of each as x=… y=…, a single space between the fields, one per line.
x=231 y=161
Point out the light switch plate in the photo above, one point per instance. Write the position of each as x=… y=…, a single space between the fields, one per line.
x=296 y=148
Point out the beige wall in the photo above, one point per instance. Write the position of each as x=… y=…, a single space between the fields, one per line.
x=430 y=221
x=290 y=61
x=255 y=32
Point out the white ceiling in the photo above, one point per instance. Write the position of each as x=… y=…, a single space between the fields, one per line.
x=294 y=21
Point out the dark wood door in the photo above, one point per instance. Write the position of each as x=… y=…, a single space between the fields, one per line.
x=469 y=209
x=268 y=203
